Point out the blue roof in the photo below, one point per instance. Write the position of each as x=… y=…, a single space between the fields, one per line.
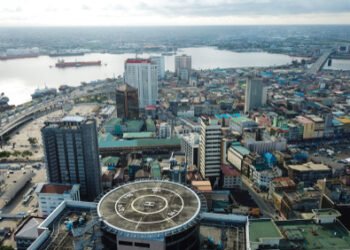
x=226 y=116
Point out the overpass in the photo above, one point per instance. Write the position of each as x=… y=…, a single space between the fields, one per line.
x=28 y=115
x=9 y=125
x=320 y=62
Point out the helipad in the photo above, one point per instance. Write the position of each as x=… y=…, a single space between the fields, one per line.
x=149 y=207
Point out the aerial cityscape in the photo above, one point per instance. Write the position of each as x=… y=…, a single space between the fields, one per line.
x=175 y=125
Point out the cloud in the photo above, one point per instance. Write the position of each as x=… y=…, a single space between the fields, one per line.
x=246 y=7
x=174 y=12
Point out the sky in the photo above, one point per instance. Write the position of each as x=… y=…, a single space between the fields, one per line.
x=172 y=12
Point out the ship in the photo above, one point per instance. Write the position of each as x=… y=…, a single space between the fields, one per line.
x=4 y=103
x=61 y=54
x=3 y=99
x=63 y=64
x=39 y=93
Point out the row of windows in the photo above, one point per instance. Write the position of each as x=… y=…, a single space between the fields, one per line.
x=136 y=244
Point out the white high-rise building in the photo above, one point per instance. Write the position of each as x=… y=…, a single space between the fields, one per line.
x=189 y=145
x=143 y=75
x=183 y=67
x=253 y=94
x=159 y=60
x=210 y=147
x=164 y=130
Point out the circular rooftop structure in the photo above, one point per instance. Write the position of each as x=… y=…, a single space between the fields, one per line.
x=150 y=207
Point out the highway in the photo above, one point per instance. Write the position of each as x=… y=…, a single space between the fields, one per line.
x=317 y=66
x=7 y=124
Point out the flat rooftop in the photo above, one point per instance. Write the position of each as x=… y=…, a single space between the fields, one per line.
x=149 y=207
x=263 y=229
x=306 y=234
x=309 y=166
x=55 y=188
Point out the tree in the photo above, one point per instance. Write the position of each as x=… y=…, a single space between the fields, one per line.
x=6 y=248
x=32 y=141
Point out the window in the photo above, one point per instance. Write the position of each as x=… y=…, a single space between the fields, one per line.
x=125 y=243
x=144 y=245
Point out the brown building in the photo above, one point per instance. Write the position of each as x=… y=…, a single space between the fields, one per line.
x=309 y=173
x=300 y=201
x=127 y=102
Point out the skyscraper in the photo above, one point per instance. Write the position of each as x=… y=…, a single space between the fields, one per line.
x=253 y=94
x=159 y=60
x=143 y=75
x=210 y=147
x=71 y=154
x=183 y=67
x=127 y=102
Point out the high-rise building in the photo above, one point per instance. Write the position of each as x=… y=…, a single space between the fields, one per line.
x=71 y=154
x=189 y=145
x=127 y=102
x=164 y=130
x=143 y=75
x=159 y=60
x=254 y=94
x=210 y=147
x=183 y=67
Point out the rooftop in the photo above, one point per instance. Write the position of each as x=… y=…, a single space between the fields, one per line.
x=108 y=141
x=308 y=235
x=138 y=135
x=149 y=207
x=227 y=170
x=28 y=229
x=240 y=149
x=137 y=60
x=56 y=189
x=283 y=182
x=263 y=229
x=73 y=119
x=309 y=166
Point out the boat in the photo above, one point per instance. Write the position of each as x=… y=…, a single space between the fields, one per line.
x=3 y=99
x=63 y=64
x=4 y=103
x=39 y=93
x=61 y=54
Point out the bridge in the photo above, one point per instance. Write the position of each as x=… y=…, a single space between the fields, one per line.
x=28 y=115
x=9 y=125
x=320 y=62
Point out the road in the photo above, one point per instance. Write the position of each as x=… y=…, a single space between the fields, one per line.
x=265 y=207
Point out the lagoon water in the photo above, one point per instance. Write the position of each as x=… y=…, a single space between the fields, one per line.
x=20 y=77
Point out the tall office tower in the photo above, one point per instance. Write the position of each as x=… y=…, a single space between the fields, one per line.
x=143 y=75
x=253 y=94
x=210 y=147
x=164 y=130
x=159 y=60
x=71 y=154
x=127 y=101
x=183 y=67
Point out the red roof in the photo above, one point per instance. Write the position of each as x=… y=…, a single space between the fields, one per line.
x=151 y=107
x=229 y=171
x=137 y=60
x=55 y=189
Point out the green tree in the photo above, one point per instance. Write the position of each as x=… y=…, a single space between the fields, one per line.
x=32 y=141
x=6 y=248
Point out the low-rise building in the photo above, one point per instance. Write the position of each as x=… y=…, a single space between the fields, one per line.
x=27 y=232
x=300 y=201
x=235 y=155
x=309 y=173
x=231 y=178
x=51 y=195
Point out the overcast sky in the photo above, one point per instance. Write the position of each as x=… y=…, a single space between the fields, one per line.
x=172 y=12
